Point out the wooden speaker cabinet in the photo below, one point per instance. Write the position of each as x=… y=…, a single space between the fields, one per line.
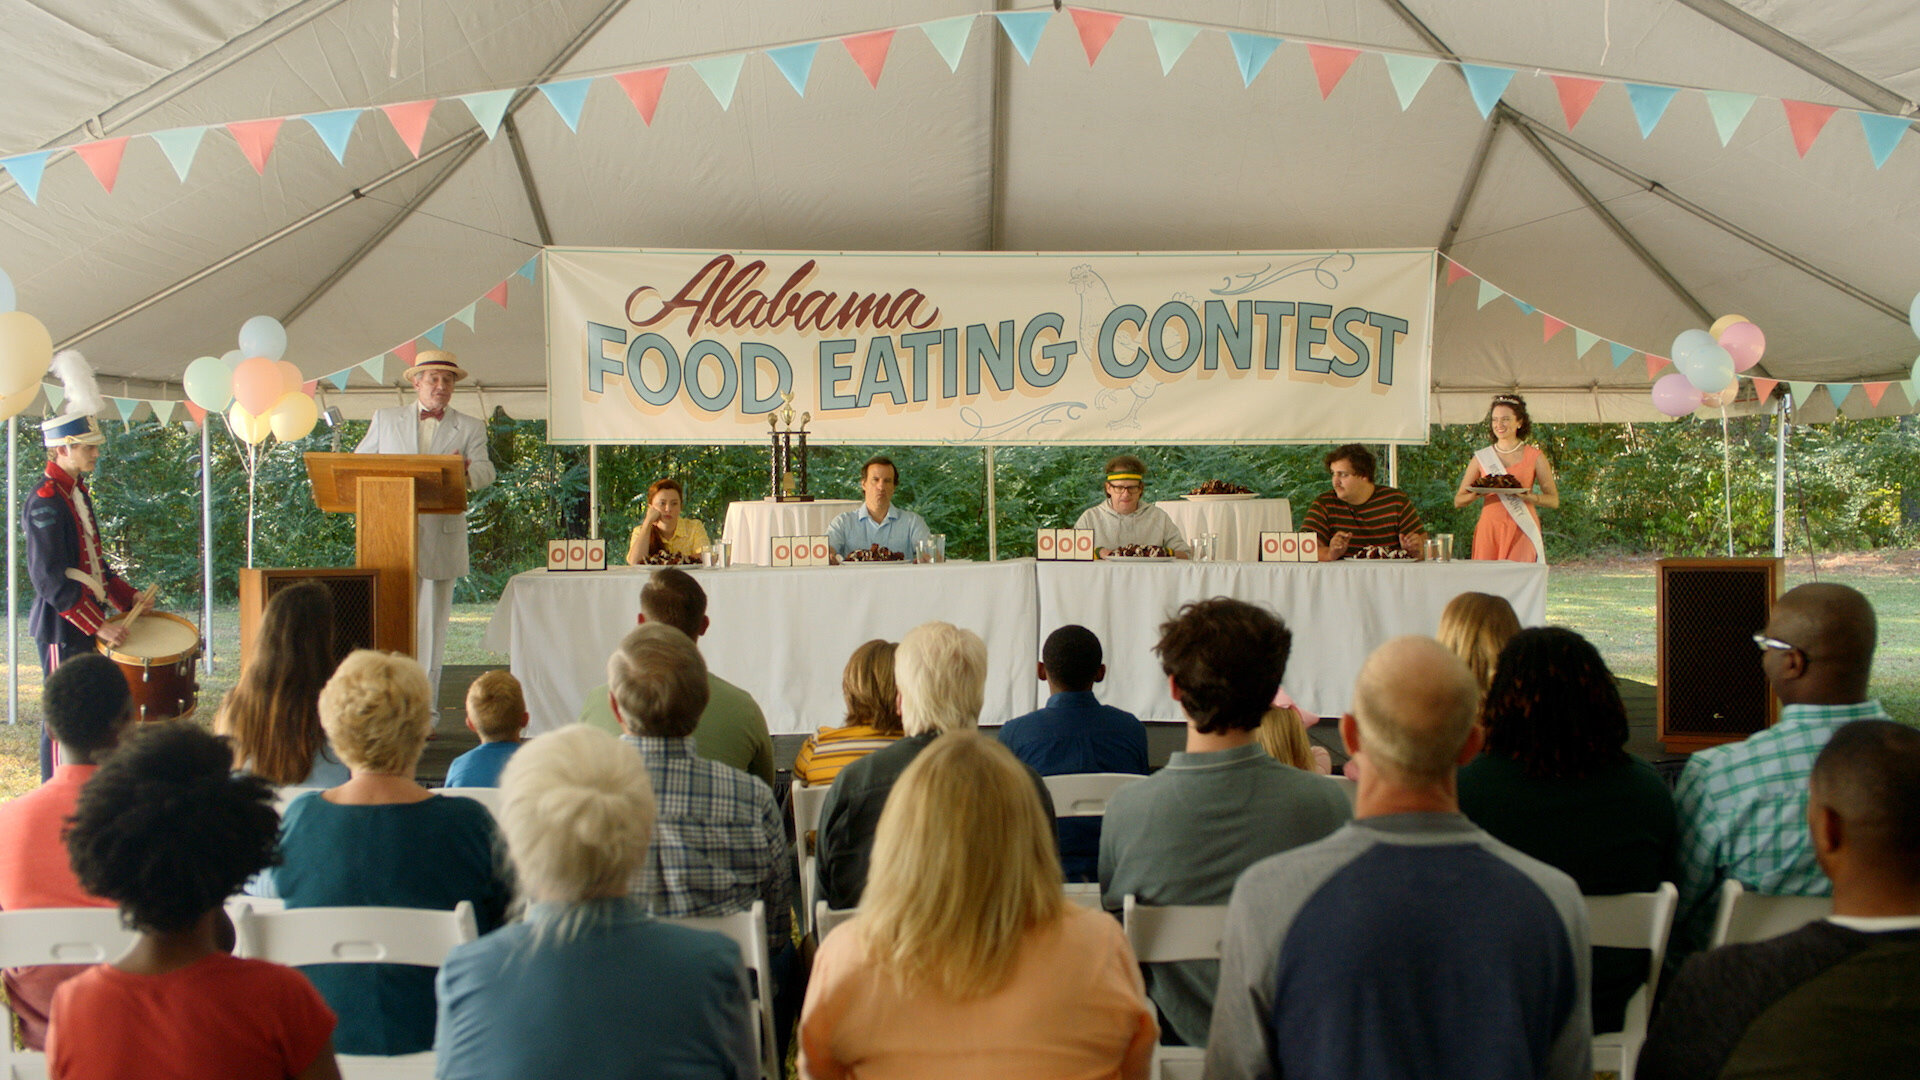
x=356 y=602
x=1712 y=689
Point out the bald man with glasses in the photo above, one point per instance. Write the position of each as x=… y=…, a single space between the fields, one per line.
x=1743 y=806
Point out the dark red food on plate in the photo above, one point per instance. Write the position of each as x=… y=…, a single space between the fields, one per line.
x=1139 y=551
x=876 y=553
x=1221 y=487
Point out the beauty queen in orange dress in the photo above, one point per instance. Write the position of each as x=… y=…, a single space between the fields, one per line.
x=1500 y=535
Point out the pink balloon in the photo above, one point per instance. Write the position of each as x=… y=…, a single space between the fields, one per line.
x=1675 y=396
x=1744 y=342
x=290 y=377
x=257 y=384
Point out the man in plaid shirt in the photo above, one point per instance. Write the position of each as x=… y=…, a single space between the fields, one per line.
x=1743 y=807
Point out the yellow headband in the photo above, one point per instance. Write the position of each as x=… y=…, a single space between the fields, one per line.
x=1112 y=476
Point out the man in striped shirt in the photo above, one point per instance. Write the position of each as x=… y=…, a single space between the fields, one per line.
x=1360 y=517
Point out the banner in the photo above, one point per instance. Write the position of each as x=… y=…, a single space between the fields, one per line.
x=989 y=348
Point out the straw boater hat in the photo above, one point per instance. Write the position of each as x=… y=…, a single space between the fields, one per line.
x=75 y=426
x=435 y=360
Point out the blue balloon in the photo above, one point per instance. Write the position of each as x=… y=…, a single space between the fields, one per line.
x=7 y=297
x=263 y=335
x=1710 y=370
x=232 y=358
x=1913 y=313
x=1688 y=344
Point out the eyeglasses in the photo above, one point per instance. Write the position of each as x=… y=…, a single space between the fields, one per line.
x=1766 y=642
x=1127 y=487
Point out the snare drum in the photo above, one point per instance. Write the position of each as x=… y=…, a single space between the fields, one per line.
x=157 y=659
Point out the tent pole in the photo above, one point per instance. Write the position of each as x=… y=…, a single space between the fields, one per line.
x=993 y=513
x=1800 y=55
x=1393 y=465
x=206 y=543
x=13 y=562
x=593 y=491
x=1780 y=479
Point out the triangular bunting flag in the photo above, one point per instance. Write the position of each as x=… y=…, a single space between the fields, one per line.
x=1649 y=105
x=643 y=88
x=409 y=120
x=1525 y=308
x=949 y=38
x=567 y=99
x=339 y=378
x=1251 y=52
x=163 y=411
x=256 y=140
x=464 y=316
x=1802 y=392
x=1805 y=119
x=1549 y=326
x=407 y=351
x=796 y=63
x=1575 y=95
x=1621 y=353
x=1487 y=84
x=310 y=387
x=26 y=170
x=1728 y=109
x=527 y=270
x=1330 y=65
x=1907 y=389
x=1838 y=391
x=1875 y=391
x=1170 y=40
x=1409 y=74
x=1096 y=29
x=1583 y=340
x=125 y=406
x=1023 y=29
x=870 y=52
x=1655 y=363
x=103 y=159
x=1763 y=388
x=721 y=74
x=198 y=414
x=180 y=145
x=55 y=395
x=1488 y=290
x=488 y=107
x=437 y=335
x=1455 y=272
x=498 y=294
x=335 y=128
x=376 y=367
x=1883 y=134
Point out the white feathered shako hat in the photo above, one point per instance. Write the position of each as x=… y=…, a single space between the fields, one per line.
x=75 y=426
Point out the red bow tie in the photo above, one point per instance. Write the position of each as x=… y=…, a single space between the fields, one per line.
x=432 y=414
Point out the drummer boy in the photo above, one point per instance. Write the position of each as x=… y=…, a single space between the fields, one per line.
x=72 y=582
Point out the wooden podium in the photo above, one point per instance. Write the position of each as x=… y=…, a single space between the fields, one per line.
x=386 y=494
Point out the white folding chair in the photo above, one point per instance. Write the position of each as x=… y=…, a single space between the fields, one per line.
x=748 y=929
x=1745 y=916
x=826 y=918
x=488 y=797
x=1165 y=935
x=283 y=797
x=1086 y=894
x=807 y=802
x=1631 y=921
x=358 y=935
x=31 y=937
x=1085 y=794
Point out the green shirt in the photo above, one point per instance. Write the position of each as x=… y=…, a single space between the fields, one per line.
x=733 y=730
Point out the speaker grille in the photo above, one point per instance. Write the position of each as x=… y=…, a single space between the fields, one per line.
x=1712 y=688
x=355 y=594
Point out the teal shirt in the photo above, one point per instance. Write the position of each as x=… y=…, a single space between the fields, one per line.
x=733 y=730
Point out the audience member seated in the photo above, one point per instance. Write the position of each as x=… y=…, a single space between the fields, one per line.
x=719 y=842
x=589 y=986
x=1557 y=783
x=873 y=717
x=1476 y=626
x=1074 y=733
x=497 y=712
x=1743 y=806
x=1840 y=997
x=88 y=710
x=1410 y=943
x=1283 y=735
x=1184 y=834
x=382 y=840
x=166 y=831
x=272 y=714
x=733 y=730
x=941 y=671
x=965 y=959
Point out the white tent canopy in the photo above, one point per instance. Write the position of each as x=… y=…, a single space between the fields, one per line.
x=1633 y=239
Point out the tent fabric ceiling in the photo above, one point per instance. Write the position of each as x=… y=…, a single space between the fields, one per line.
x=998 y=154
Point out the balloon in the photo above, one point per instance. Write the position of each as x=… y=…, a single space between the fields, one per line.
x=1913 y=314
x=1745 y=343
x=1688 y=343
x=232 y=358
x=1721 y=399
x=26 y=350
x=1720 y=324
x=294 y=417
x=263 y=335
x=291 y=380
x=7 y=297
x=252 y=429
x=13 y=403
x=1710 y=369
x=209 y=384
x=1675 y=396
x=257 y=384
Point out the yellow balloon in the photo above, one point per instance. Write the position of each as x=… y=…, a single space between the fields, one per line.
x=1723 y=322
x=293 y=417
x=26 y=351
x=13 y=404
x=252 y=429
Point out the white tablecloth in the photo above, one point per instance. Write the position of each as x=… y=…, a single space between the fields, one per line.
x=1237 y=522
x=752 y=525
x=783 y=635
x=1338 y=613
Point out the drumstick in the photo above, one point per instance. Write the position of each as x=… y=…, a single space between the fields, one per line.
x=141 y=603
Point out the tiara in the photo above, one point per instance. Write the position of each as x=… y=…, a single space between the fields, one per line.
x=1508 y=399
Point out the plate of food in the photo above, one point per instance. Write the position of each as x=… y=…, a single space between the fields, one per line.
x=1138 y=553
x=1220 y=491
x=1496 y=485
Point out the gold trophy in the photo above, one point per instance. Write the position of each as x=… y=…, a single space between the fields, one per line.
x=788 y=474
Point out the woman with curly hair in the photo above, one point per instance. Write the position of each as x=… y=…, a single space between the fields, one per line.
x=1509 y=525
x=273 y=713
x=166 y=830
x=1557 y=783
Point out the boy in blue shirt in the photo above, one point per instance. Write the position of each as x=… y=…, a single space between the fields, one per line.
x=497 y=712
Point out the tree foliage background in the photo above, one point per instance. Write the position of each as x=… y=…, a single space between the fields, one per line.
x=1625 y=489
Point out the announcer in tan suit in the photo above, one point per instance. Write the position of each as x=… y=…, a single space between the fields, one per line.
x=428 y=426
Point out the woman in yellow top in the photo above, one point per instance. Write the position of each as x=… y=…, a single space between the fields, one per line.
x=663 y=528
x=873 y=717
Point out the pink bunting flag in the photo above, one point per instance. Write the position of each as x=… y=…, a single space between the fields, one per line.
x=1875 y=391
x=1550 y=326
x=1763 y=388
x=1455 y=272
x=643 y=87
x=870 y=52
x=407 y=352
x=498 y=294
x=256 y=140
x=309 y=387
x=1575 y=95
x=199 y=414
x=409 y=120
x=1096 y=29
x=1655 y=363
x=1330 y=64
x=103 y=159
x=1805 y=119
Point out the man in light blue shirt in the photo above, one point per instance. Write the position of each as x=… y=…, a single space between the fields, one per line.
x=877 y=521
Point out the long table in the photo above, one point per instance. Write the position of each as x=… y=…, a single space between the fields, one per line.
x=785 y=634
